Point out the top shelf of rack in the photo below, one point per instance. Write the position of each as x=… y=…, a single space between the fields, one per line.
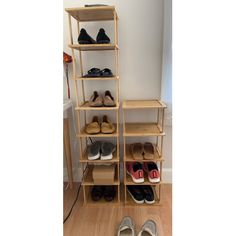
x=84 y=14
x=141 y=104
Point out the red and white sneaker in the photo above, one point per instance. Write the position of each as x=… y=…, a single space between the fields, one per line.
x=152 y=171
x=135 y=170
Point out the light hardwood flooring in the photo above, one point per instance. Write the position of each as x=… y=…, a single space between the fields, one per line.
x=104 y=221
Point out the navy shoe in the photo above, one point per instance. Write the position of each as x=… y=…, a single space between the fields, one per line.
x=102 y=37
x=84 y=38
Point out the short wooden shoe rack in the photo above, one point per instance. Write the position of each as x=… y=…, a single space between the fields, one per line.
x=151 y=129
x=93 y=14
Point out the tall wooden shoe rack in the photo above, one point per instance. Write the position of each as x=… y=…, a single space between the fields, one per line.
x=92 y=14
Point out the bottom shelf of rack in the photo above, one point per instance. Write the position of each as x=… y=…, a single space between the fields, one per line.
x=88 y=201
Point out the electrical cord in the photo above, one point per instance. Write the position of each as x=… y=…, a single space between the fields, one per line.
x=77 y=195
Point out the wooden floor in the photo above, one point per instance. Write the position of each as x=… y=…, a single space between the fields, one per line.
x=104 y=221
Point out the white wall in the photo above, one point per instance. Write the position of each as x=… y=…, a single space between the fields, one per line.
x=140 y=61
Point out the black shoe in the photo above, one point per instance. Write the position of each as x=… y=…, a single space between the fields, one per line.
x=136 y=193
x=84 y=38
x=97 y=192
x=102 y=37
x=109 y=193
x=148 y=194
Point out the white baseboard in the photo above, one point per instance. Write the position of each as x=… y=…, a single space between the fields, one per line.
x=166 y=175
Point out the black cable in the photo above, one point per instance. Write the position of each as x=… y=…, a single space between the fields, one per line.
x=77 y=195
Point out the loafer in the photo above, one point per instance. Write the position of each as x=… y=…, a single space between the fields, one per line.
x=152 y=171
x=95 y=100
x=109 y=193
x=93 y=151
x=148 y=150
x=148 y=194
x=136 y=193
x=97 y=192
x=107 y=127
x=93 y=127
x=107 y=149
x=135 y=170
x=149 y=228
x=126 y=227
x=102 y=37
x=84 y=38
x=108 y=100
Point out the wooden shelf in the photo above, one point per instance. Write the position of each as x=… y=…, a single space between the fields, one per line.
x=97 y=78
x=88 y=178
x=84 y=159
x=129 y=181
x=142 y=129
x=83 y=14
x=129 y=158
x=131 y=202
x=142 y=104
x=93 y=47
x=84 y=134
x=86 y=106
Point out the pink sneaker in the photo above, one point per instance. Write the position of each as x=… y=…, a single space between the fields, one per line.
x=152 y=170
x=135 y=170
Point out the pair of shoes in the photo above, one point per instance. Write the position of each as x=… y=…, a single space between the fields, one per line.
x=141 y=193
x=127 y=228
x=136 y=171
x=97 y=100
x=85 y=38
x=102 y=150
x=108 y=192
x=96 y=72
x=106 y=127
x=141 y=151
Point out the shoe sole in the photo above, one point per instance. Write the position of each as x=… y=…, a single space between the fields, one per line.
x=137 y=181
x=94 y=157
x=149 y=202
x=154 y=180
x=137 y=201
x=108 y=157
x=103 y=42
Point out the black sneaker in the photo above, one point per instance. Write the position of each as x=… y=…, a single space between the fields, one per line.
x=109 y=193
x=148 y=194
x=97 y=192
x=84 y=38
x=102 y=37
x=136 y=193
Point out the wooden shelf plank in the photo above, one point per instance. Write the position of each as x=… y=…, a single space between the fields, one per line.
x=129 y=158
x=97 y=78
x=84 y=159
x=93 y=47
x=85 y=106
x=88 y=178
x=83 y=14
x=142 y=104
x=84 y=134
x=142 y=129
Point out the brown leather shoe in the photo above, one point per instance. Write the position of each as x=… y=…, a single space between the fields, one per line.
x=107 y=127
x=108 y=100
x=148 y=150
x=93 y=127
x=137 y=151
x=95 y=100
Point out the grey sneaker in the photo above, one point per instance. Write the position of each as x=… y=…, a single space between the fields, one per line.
x=148 y=229
x=107 y=149
x=93 y=151
x=126 y=227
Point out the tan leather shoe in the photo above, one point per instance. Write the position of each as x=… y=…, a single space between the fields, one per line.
x=107 y=127
x=108 y=100
x=137 y=151
x=93 y=127
x=95 y=100
x=148 y=150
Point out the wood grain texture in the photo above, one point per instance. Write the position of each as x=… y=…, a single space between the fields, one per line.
x=104 y=220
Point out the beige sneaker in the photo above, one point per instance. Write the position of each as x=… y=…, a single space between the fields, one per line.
x=108 y=100
x=107 y=127
x=126 y=227
x=93 y=127
x=148 y=229
x=96 y=100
